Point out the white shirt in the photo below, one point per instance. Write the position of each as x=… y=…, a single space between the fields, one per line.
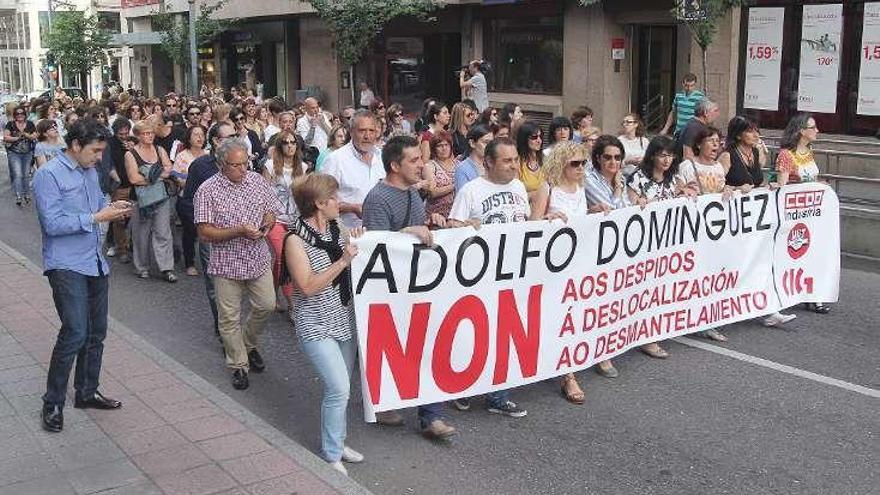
x=319 y=138
x=571 y=204
x=634 y=147
x=479 y=91
x=270 y=131
x=491 y=203
x=355 y=177
x=367 y=97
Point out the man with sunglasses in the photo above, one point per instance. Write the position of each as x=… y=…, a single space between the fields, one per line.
x=193 y=116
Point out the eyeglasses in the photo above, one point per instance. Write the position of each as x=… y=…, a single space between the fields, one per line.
x=664 y=156
x=239 y=118
x=237 y=164
x=629 y=122
x=576 y=163
x=609 y=158
x=810 y=127
x=288 y=143
x=175 y=105
x=221 y=138
x=380 y=107
x=194 y=113
x=19 y=113
x=535 y=137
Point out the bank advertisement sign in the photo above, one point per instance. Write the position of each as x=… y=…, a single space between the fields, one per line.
x=820 y=58
x=763 y=58
x=869 y=74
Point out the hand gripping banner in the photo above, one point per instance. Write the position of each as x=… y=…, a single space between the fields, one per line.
x=507 y=305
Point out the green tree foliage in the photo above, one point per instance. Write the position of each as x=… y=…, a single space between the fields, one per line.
x=356 y=23
x=77 y=42
x=705 y=29
x=175 y=31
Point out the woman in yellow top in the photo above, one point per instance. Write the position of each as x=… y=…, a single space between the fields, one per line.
x=529 y=141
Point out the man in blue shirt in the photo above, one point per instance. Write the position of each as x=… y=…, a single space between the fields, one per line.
x=71 y=206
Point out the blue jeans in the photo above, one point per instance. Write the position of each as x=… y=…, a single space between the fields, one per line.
x=204 y=258
x=334 y=362
x=19 y=165
x=81 y=302
x=430 y=412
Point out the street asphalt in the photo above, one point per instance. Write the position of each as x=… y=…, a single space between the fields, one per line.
x=696 y=423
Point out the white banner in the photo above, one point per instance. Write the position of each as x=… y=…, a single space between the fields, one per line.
x=508 y=305
x=869 y=74
x=820 y=58
x=763 y=58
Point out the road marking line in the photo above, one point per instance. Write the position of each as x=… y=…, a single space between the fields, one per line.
x=791 y=370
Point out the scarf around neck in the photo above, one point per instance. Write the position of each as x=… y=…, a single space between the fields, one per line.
x=334 y=251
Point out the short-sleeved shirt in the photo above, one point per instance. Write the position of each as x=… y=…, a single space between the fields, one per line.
x=646 y=187
x=685 y=105
x=572 y=204
x=479 y=91
x=491 y=203
x=389 y=208
x=532 y=179
x=799 y=167
x=224 y=204
x=690 y=131
x=24 y=145
x=710 y=178
x=356 y=178
x=465 y=171
x=598 y=190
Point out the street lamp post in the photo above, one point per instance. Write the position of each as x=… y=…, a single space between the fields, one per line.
x=193 y=53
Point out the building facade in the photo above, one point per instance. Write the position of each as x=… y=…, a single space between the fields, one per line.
x=549 y=56
x=24 y=26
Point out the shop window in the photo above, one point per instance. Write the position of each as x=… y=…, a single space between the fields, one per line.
x=526 y=54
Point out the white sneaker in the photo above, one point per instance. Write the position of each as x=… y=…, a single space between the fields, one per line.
x=337 y=465
x=351 y=455
x=777 y=319
x=111 y=251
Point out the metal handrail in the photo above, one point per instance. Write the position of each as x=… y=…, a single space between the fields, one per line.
x=653 y=111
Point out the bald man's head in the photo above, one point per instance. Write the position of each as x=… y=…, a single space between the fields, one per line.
x=313 y=107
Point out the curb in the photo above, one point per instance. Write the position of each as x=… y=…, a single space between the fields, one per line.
x=269 y=433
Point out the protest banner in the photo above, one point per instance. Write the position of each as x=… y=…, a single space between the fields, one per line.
x=869 y=72
x=512 y=304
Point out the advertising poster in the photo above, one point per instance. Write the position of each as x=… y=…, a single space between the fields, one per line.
x=869 y=74
x=763 y=58
x=820 y=58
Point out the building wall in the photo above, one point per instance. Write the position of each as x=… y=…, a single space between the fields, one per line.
x=722 y=66
x=319 y=63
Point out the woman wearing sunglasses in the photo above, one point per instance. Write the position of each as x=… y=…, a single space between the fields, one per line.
x=49 y=142
x=20 y=137
x=565 y=168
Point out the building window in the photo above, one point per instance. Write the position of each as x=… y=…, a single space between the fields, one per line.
x=110 y=21
x=526 y=54
x=43 y=20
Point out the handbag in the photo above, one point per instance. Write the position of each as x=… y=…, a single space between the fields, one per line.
x=153 y=193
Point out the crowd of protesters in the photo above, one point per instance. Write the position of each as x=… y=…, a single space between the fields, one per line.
x=266 y=195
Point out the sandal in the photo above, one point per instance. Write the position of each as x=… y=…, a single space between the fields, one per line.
x=654 y=350
x=607 y=369
x=715 y=335
x=571 y=390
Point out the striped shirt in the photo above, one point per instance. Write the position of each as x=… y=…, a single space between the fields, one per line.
x=322 y=316
x=685 y=106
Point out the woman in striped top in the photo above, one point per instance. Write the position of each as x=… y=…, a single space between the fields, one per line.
x=317 y=256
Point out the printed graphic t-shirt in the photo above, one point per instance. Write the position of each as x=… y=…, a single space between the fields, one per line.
x=490 y=202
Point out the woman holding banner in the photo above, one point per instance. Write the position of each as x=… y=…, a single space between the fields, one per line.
x=796 y=163
x=564 y=168
x=706 y=175
x=317 y=256
x=605 y=192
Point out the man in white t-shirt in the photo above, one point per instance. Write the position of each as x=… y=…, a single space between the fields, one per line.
x=475 y=87
x=357 y=167
x=499 y=197
x=314 y=127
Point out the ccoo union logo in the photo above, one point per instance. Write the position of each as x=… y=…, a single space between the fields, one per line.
x=798 y=241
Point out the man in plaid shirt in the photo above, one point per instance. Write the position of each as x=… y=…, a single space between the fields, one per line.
x=233 y=211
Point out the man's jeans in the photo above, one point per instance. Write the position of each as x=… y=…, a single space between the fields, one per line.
x=81 y=302
x=334 y=361
x=497 y=399
x=204 y=258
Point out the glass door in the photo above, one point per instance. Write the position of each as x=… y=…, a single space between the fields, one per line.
x=655 y=74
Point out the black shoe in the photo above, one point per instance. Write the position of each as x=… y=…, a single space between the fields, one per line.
x=822 y=309
x=97 y=401
x=53 y=418
x=240 y=379
x=256 y=361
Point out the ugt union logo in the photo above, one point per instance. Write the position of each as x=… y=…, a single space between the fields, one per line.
x=798 y=241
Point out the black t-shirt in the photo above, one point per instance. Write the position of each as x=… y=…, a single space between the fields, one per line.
x=24 y=145
x=177 y=133
x=690 y=131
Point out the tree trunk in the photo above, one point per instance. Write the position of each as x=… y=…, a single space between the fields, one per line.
x=84 y=82
x=703 y=49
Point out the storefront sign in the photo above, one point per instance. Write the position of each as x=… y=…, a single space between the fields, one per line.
x=869 y=74
x=820 y=58
x=618 y=48
x=511 y=304
x=763 y=58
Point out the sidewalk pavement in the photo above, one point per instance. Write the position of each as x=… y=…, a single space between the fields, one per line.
x=175 y=434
